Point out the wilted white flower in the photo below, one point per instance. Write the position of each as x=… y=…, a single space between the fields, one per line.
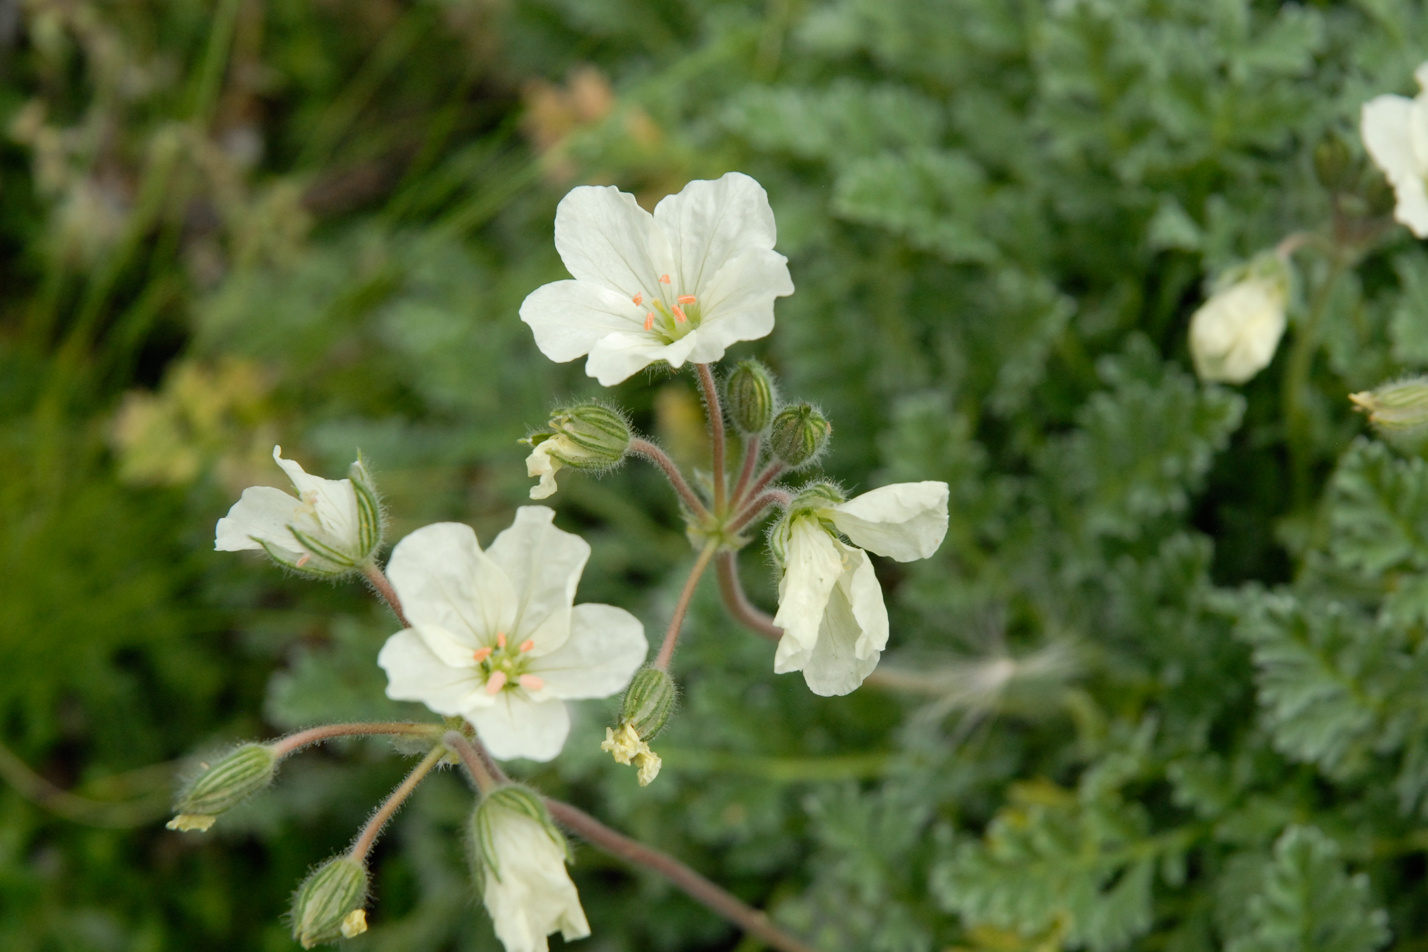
x=585 y=436
x=524 y=883
x=495 y=637
x=1395 y=132
x=332 y=526
x=679 y=285
x=1234 y=334
x=831 y=609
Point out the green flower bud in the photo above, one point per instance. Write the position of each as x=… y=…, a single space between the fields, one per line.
x=585 y=436
x=1398 y=410
x=1334 y=163
x=223 y=786
x=329 y=904
x=371 y=525
x=799 y=434
x=649 y=702
x=819 y=495
x=749 y=397
x=517 y=799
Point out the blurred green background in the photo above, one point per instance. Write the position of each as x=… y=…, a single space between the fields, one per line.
x=1164 y=685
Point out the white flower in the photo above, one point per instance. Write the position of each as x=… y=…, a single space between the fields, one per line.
x=1234 y=334
x=1395 y=132
x=541 y=463
x=525 y=886
x=494 y=636
x=831 y=610
x=679 y=285
x=331 y=527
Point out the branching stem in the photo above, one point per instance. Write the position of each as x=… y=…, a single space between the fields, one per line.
x=676 y=621
x=316 y=735
x=746 y=472
x=751 y=920
x=374 y=826
x=478 y=762
x=676 y=479
x=758 y=506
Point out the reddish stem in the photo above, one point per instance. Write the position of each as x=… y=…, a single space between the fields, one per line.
x=676 y=479
x=384 y=588
x=671 y=635
x=716 y=431
x=744 y=612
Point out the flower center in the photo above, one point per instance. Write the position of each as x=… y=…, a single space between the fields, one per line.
x=669 y=321
x=503 y=667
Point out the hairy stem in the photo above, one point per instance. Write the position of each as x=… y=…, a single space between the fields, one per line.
x=716 y=431
x=316 y=735
x=374 y=826
x=478 y=763
x=746 y=472
x=751 y=920
x=744 y=611
x=758 y=506
x=383 y=585
x=773 y=471
x=676 y=479
x=671 y=635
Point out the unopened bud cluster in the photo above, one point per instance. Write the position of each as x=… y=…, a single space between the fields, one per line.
x=330 y=903
x=223 y=785
x=1398 y=410
x=588 y=436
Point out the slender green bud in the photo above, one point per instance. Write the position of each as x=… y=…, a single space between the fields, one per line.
x=371 y=525
x=224 y=785
x=799 y=434
x=1398 y=410
x=585 y=436
x=1334 y=163
x=649 y=702
x=329 y=904
x=749 y=397
x=518 y=799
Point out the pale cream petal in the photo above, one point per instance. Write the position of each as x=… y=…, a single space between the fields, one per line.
x=606 y=647
x=444 y=579
x=261 y=513
x=415 y=673
x=835 y=667
x=1383 y=124
x=904 y=521
x=529 y=895
x=711 y=223
x=518 y=726
x=813 y=565
x=859 y=587
x=617 y=357
x=605 y=237
x=543 y=564
x=568 y=318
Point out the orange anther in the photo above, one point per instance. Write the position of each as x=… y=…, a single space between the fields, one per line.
x=495 y=682
x=481 y=654
x=649 y=320
x=306 y=557
x=686 y=299
x=527 y=645
x=664 y=279
x=531 y=683
x=679 y=314
x=500 y=639
x=638 y=299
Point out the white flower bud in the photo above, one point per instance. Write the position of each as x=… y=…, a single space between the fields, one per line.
x=1234 y=334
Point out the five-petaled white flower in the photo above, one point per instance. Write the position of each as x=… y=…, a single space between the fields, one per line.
x=495 y=638
x=1234 y=334
x=679 y=285
x=524 y=883
x=831 y=609
x=1395 y=132
x=331 y=527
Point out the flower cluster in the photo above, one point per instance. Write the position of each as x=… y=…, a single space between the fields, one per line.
x=492 y=638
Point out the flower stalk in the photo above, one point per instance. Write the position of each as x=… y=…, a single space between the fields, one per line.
x=716 y=431
x=681 y=608
x=363 y=844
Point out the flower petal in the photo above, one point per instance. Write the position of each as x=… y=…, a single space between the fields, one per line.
x=568 y=318
x=544 y=565
x=415 y=673
x=739 y=303
x=605 y=648
x=529 y=894
x=333 y=500
x=618 y=356
x=262 y=512
x=445 y=580
x=605 y=237
x=859 y=588
x=904 y=521
x=837 y=666
x=516 y=726
x=813 y=566
x=710 y=223
x=1395 y=133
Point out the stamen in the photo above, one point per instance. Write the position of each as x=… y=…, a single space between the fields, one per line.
x=638 y=299
x=495 y=682
x=679 y=314
x=500 y=639
x=530 y=682
x=685 y=299
x=482 y=653
x=649 y=320
x=306 y=557
x=664 y=279
x=527 y=645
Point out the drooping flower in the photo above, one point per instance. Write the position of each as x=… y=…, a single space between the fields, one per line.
x=520 y=858
x=679 y=285
x=331 y=527
x=831 y=609
x=585 y=436
x=1395 y=133
x=495 y=637
x=1234 y=334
